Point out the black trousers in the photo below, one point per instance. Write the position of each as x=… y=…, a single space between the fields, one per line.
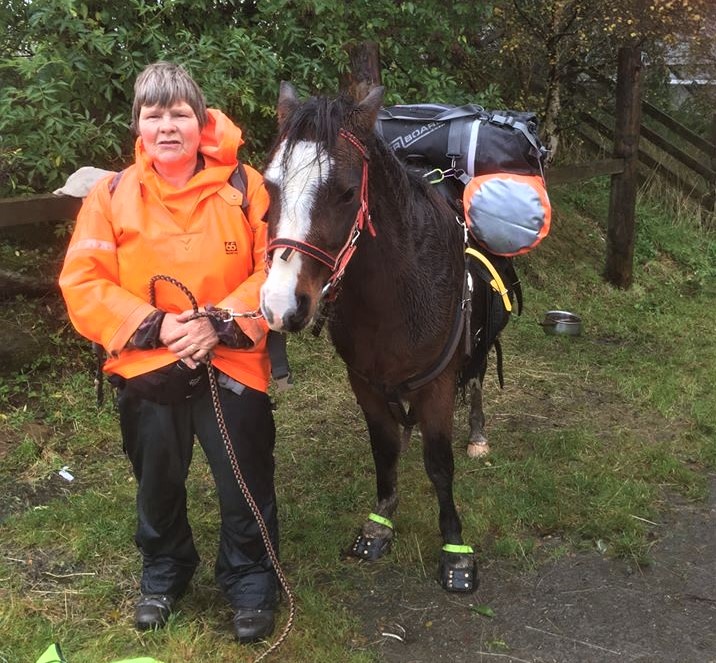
x=159 y=439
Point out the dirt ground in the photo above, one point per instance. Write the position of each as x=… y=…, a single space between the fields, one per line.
x=580 y=609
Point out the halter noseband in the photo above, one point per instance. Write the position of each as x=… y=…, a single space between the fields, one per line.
x=338 y=263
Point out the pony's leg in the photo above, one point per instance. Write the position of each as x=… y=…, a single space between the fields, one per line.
x=477 y=444
x=376 y=532
x=457 y=569
x=435 y=409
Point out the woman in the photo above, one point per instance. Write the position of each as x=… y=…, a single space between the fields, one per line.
x=174 y=212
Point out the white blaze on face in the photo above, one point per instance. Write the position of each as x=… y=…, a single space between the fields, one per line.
x=297 y=180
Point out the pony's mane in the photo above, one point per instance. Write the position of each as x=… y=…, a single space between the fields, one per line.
x=318 y=119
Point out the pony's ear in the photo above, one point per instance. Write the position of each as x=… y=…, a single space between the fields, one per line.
x=287 y=101
x=367 y=109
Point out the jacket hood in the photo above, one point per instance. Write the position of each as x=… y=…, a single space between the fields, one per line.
x=220 y=140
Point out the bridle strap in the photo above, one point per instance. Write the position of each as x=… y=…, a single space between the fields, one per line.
x=363 y=215
x=338 y=263
x=303 y=247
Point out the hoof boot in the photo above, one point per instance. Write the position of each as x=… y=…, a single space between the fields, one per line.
x=368 y=547
x=458 y=572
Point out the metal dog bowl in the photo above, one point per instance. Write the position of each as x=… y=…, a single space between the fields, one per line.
x=562 y=323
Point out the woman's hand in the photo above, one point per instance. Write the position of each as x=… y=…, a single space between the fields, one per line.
x=192 y=340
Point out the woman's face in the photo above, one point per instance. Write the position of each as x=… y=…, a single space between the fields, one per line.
x=170 y=135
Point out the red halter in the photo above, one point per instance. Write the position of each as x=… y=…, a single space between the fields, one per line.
x=338 y=263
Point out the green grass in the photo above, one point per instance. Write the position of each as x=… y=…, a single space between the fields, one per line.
x=591 y=437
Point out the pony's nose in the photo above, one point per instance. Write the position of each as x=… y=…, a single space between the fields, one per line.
x=266 y=310
x=297 y=319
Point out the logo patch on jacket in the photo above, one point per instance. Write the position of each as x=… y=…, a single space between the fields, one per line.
x=230 y=247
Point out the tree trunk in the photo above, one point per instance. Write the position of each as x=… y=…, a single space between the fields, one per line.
x=553 y=108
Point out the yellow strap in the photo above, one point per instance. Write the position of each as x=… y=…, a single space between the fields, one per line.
x=458 y=548
x=497 y=284
x=376 y=518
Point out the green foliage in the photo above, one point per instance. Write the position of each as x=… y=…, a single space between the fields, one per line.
x=67 y=81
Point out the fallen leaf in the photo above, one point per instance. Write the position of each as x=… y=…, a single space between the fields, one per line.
x=483 y=610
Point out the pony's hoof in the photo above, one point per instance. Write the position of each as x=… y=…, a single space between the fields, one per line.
x=458 y=572
x=478 y=449
x=369 y=547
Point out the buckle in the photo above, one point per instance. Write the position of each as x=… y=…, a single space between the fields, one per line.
x=223 y=314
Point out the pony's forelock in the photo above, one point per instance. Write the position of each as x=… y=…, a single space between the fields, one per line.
x=318 y=119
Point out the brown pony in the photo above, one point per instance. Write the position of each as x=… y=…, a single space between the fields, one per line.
x=351 y=228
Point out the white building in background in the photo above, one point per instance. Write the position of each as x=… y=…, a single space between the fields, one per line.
x=692 y=72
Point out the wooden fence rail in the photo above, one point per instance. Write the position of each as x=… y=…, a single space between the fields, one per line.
x=48 y=208
x=578 y=172
x=679 y=129
x=37 y=209
x=687 y=187
x=694 y=175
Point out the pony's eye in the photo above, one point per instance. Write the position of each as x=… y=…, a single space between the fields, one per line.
x=347 y=196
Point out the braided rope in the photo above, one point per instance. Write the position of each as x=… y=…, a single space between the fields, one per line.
x=226 y=438
x=219 y=313
x=257 y=514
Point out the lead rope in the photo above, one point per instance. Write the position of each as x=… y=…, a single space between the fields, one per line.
x=214 y=388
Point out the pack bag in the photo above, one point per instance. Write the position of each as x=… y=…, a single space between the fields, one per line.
x=496 y=155
x=467 y=138
x=506 y=213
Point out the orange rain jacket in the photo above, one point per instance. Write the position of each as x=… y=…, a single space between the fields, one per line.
x=197 y=235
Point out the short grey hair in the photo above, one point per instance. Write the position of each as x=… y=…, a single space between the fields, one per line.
x=165 y=84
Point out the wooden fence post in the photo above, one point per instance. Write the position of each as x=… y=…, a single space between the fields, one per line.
x=622 y=200
x=364 y=70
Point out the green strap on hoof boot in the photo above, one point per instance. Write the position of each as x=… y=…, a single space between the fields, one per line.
x=381 y=520
x=53 y=654
x=458 y=549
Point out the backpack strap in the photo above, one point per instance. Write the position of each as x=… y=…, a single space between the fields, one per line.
x=239 y=180
x=496 y=282
x=280 y=369
x=114 y=183
x=455 y=139
x=468 y=110
x=539 y=150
